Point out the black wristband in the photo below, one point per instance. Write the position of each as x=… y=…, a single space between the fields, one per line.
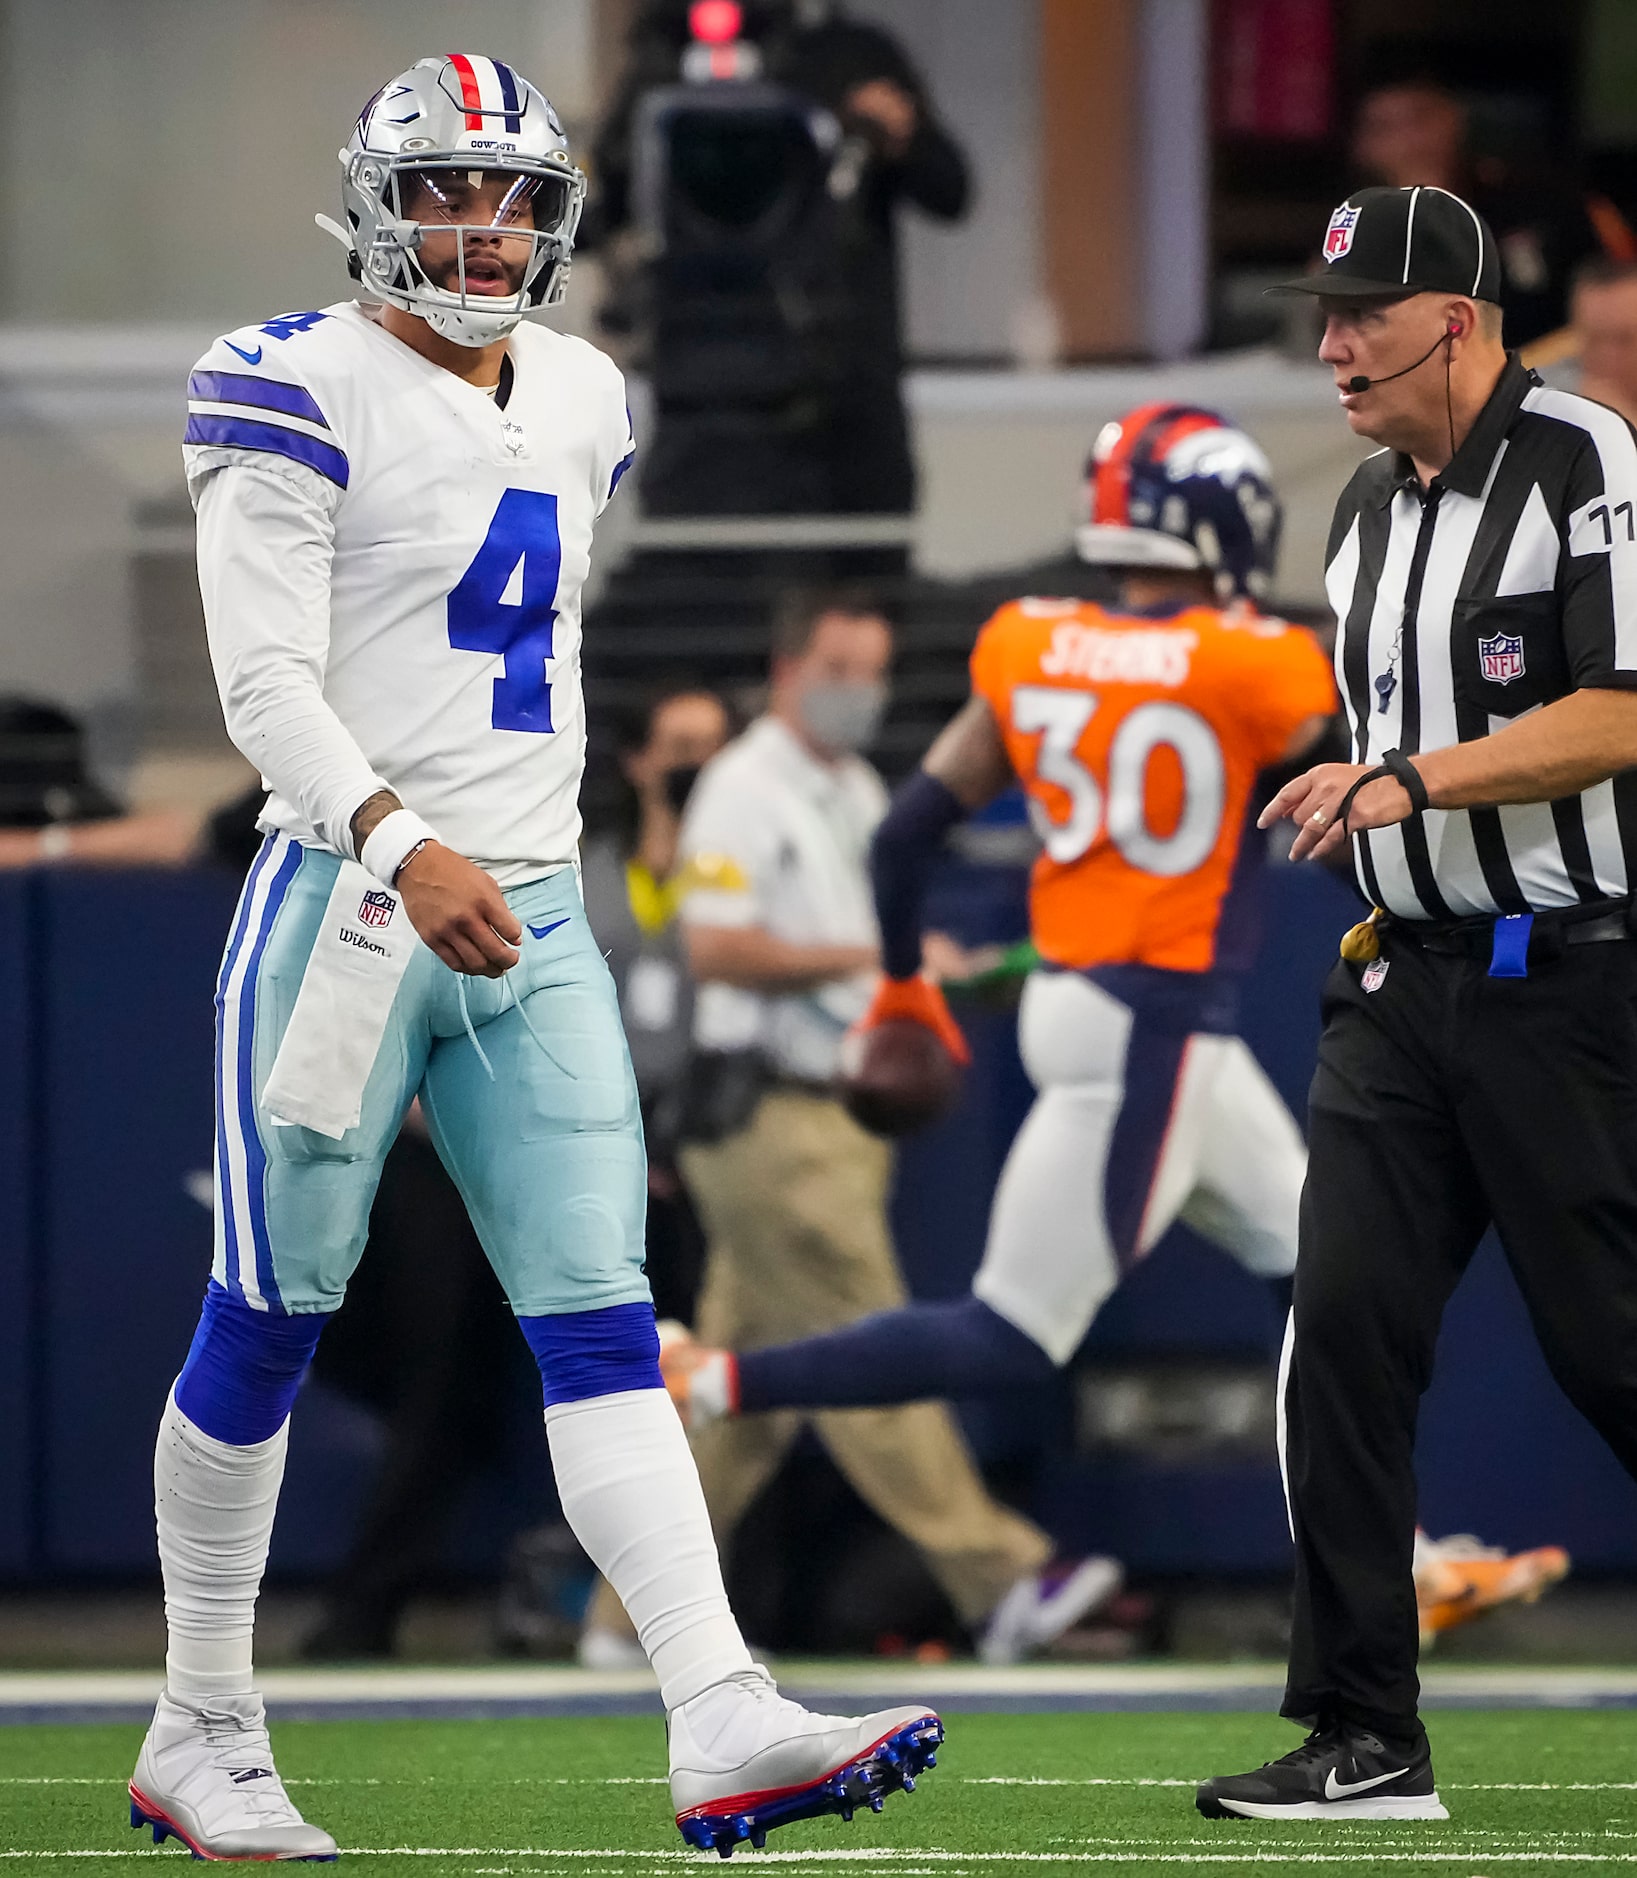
x=1396 y=764
x=1415 y=786
x=1346 y=803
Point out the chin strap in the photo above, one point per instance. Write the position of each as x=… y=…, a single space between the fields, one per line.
x=332 y=227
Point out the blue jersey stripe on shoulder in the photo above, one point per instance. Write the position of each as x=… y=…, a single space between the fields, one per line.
x=265 y=394
x=620 y=468
x=242 y=433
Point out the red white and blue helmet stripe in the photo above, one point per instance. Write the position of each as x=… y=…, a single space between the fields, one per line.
x=487 y=89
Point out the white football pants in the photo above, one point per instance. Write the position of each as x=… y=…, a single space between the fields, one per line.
x=1130 y=1130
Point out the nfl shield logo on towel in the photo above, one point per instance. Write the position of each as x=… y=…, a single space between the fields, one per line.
x=1501 y=658
x=376 y=909
x=1339 y=236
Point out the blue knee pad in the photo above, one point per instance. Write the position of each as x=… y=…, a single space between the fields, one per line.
x=589 y=1353
x=244 y=1368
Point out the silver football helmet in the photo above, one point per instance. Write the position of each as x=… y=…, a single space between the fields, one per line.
x=459 y=197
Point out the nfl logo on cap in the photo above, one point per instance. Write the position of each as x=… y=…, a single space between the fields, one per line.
x=376 y=909
x=1501 y=658
x=1339 y=237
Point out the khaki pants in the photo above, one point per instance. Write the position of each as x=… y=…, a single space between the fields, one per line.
x=794 y=1208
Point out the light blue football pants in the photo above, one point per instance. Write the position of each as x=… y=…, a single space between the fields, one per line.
x=525 y=1082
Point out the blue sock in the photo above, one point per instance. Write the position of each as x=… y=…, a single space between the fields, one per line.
x=244 y=1368
x=921 y=1351
x=589 y=1353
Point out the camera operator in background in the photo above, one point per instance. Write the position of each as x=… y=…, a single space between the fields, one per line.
x=846 y=439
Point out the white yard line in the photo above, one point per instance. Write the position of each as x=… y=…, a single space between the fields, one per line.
x=958 y=1780
x=899 y=1860
x=364 y=1780
x=1449 y=1786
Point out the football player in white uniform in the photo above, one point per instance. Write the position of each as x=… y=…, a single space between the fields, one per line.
x=395 y=509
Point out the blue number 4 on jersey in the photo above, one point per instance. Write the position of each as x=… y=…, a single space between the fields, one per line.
x=505 y=603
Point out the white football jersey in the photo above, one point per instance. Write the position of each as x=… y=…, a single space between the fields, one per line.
x=392 y=567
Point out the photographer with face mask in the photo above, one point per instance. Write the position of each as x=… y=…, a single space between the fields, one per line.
x=780 y=931
x=631 y=887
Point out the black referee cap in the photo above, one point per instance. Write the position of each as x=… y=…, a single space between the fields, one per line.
x=1390 y=243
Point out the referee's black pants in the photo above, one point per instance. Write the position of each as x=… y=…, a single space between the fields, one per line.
x=1444 y=1101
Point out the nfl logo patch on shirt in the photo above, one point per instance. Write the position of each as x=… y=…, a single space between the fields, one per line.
x=1339 y=236
x=376 y=909
x=1374 y=973
x=1501 y=659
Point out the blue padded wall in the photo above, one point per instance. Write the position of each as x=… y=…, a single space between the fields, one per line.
x=128 y=963
x=112 y=1264
x=18 y=1268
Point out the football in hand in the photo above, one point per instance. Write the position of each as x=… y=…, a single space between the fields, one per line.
x=897 y=1077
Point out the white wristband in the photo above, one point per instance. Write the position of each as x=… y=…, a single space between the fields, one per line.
x=389 y=842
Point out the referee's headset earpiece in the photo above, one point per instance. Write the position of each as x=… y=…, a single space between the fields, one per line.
x=1453 y=329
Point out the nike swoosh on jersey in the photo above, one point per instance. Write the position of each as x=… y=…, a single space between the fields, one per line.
x=1335 y=1789
x=541 y=931
x=250 y=358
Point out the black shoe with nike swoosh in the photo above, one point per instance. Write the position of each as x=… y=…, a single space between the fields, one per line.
x=1337 y=1773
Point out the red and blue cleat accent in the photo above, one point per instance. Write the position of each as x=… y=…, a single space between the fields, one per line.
x=241 y=1848
x=889 y=1765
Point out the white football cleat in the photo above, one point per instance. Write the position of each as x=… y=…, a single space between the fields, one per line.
x=206 y=1776
x=769 y=1761
x=1039 y=1608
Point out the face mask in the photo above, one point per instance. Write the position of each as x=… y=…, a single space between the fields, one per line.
x=679 y=784
x=843 y=716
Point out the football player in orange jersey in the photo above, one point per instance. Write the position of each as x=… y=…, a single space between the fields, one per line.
x=1137 y=733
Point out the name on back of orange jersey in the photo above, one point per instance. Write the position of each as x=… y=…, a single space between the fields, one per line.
x=1132 y=657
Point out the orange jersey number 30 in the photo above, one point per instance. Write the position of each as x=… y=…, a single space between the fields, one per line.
x=1138 y=740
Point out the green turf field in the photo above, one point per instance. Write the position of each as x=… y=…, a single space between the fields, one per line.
x=1530 y=1790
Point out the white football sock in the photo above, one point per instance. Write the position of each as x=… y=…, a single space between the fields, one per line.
x=214 y=1505
x=631 y=1493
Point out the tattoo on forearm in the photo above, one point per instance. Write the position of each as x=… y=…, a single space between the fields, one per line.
x=369 y=815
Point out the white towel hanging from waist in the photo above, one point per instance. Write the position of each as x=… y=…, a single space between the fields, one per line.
x=364 y=946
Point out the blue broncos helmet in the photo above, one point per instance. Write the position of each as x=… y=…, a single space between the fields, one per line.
x=1172 y=485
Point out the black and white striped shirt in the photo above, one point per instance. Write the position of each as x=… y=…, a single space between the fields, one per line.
x=1510 y=581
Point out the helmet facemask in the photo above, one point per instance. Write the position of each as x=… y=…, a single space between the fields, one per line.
x=467 y=245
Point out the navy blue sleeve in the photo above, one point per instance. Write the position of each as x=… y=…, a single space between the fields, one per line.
x=902 y=857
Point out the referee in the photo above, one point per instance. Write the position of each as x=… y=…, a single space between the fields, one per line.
x=1479 y=1058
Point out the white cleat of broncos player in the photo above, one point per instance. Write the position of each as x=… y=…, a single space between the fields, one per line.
x=744 y=1760
x=206 y=1776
